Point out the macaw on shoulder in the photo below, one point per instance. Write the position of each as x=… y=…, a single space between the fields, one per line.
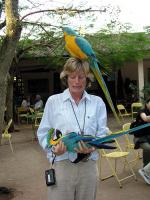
x=80 y=48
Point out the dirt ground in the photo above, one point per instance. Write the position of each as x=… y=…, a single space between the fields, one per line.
x=23 y=171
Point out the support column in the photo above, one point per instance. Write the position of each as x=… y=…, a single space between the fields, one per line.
x=140 y=78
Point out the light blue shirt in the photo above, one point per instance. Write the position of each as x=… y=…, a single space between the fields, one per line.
x=58 y=114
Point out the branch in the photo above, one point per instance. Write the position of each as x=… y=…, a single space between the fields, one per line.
x=39 y=24
x=45 y=30
x=63 y=10
x=20 y=53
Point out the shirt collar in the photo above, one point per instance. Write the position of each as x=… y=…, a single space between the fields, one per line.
x=67 y=95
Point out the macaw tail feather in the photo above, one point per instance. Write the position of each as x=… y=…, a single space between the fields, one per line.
x=104 y=70
x=98 y=75
x=103 y=146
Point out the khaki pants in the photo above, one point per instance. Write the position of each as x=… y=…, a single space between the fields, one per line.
x=146 y=150
x=74 y=181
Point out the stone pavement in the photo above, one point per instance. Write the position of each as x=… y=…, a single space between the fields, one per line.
x=23 y=171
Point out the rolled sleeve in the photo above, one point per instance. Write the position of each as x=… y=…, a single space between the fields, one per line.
x=45 y=126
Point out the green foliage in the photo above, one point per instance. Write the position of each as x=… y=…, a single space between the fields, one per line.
x=47 y=45
x=47 y=50
x=112 y=50
x=116 y=49
x=114 y=44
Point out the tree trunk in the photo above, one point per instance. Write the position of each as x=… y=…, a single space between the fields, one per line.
x=7 y=51
x=9 y=101
x=3 y=89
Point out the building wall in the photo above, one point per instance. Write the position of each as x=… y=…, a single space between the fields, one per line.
x=37 y=78
x=147 y=70
x=130 y=70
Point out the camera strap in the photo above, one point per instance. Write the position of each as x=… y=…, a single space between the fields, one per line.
x=81 y=130
x=52 y=163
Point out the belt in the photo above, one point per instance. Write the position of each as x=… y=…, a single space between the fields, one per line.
x=82 y=157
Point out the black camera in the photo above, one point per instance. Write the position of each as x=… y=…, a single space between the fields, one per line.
x=50 y=177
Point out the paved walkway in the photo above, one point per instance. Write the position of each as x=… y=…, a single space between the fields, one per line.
x=23 y=171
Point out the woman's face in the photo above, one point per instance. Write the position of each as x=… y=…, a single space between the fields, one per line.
x=77 y=82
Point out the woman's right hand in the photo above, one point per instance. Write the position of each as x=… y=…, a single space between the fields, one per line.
x=59 y=149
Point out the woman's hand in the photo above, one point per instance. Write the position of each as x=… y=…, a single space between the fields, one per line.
x=84 y=149
x=59 y=149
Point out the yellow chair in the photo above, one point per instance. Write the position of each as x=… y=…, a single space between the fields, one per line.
x=31 y=110
x=135 y=107
x=122 y=111
x=129 y=146
x=6 y=135
x=113 y=156
x=31 y=114
x=36 y=119
x=22 y=114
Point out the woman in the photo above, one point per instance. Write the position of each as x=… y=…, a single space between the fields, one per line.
x=74 y=110
x=142 y=138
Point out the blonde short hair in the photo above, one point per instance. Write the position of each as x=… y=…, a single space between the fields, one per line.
x=74 y=64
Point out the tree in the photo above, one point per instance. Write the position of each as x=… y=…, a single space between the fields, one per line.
x=9 y=42
x=7 y=50
x=39 y=32
x=14 y=25
x=114 y=48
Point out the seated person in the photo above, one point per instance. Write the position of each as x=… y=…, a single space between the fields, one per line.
x=26 y=103
x=38 y=103
x=142 y=137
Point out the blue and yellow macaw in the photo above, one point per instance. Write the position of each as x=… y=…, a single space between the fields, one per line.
x=71 y=140
x=80 y=48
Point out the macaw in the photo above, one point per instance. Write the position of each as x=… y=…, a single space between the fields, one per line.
x=71 y=139
x=80 y=48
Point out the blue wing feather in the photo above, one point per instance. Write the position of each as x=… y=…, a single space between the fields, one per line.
x=85 y=46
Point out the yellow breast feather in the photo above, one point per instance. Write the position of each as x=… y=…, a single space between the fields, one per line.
x=73 y=48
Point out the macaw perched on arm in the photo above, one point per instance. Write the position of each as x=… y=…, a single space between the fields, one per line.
x=71 y=140
x=80 y=48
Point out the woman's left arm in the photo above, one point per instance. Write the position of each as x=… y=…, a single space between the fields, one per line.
x=101 y=117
